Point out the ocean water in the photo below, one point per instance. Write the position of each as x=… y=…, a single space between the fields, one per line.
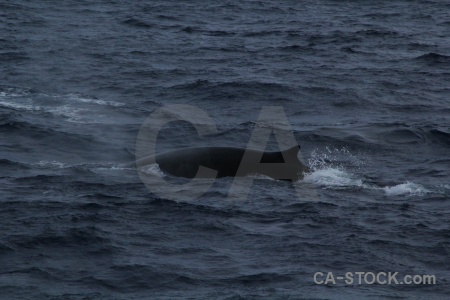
x=365 y=86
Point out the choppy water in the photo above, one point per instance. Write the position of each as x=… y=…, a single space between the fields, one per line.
x=366 y=90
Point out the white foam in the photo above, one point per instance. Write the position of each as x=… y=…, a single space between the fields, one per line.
x=331 y=177
x=407 y=188
x=70 y=113
x=94 y=101
x=19 y=106
x=51 y=164
x=152 y=169
x=334 y=158
x=328 y=171
x=12 y=92
x=91 y=166
x=260 y=176
x=72 y=107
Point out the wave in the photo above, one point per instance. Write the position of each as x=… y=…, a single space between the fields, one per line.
x=188 y=29
x=224 y=49
x=380 y=133
x=434 y=58
x=294 y=48
x=250 y=85
x=13 y=56
x=9 y=165
x=440 y=136
x=220 y=33
x=12 y=125
x=71 y=237
x=132 y=21
x=333 y=38
x=35 y=131
x=377 y=32
x=167 y=17
x=97 y=197
x=262 y=33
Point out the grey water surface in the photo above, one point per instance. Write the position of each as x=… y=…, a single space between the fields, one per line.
x=365 y=86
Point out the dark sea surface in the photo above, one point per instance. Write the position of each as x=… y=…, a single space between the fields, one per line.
x=365 y=86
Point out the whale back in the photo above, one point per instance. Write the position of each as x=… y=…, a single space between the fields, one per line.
x=186 y=162
x=226 y=161
x=278 y=156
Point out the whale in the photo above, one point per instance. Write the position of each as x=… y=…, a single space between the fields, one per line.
x=228 y=162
